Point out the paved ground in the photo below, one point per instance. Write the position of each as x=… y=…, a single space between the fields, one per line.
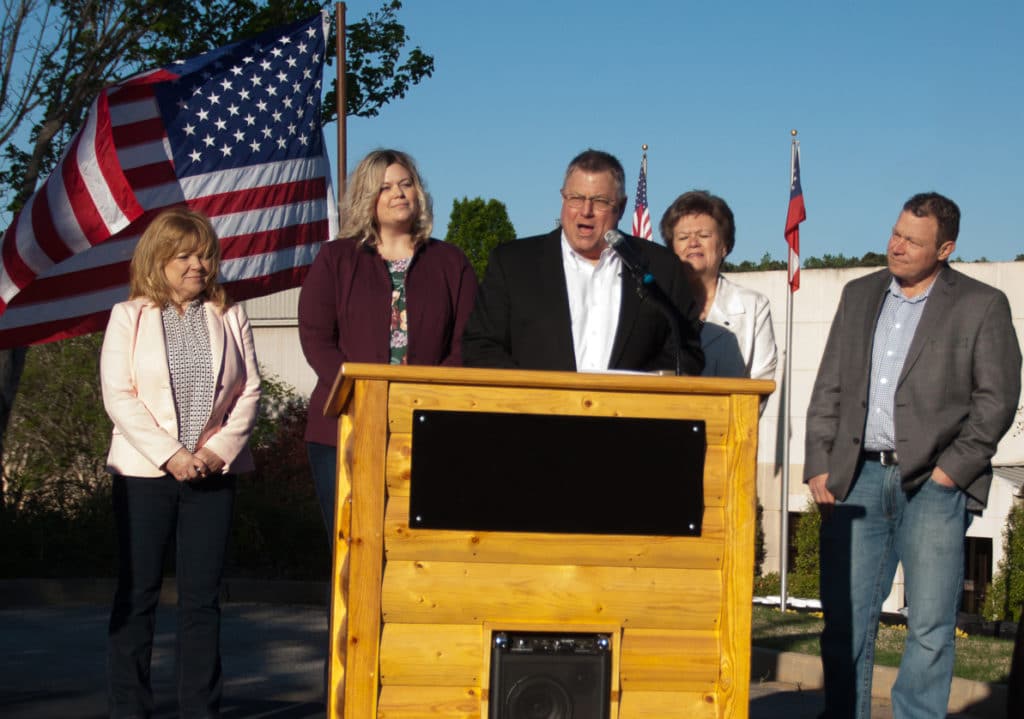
x=52 y=662
x=52 y=665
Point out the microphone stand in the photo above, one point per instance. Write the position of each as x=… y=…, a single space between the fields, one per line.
x=648 y=287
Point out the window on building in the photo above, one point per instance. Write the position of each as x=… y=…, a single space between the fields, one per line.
x=977 y=572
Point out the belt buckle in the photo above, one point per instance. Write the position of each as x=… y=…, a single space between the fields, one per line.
x=887 y=458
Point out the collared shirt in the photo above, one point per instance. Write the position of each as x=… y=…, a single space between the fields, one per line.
x=894 y=331
x=190 y=361
x=595 y=296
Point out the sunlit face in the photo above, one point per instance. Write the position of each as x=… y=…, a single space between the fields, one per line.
x=396 y=204
x=591 y=206
x=914 y=254
x=697 y=241
x=187 y=273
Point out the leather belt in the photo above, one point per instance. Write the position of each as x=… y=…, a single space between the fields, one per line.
x=887 y=457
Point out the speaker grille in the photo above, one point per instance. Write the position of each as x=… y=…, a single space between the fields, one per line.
x=544 y=675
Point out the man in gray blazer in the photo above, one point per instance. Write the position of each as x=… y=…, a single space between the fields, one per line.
x=919 y=381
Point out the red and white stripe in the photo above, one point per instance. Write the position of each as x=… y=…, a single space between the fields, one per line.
x=642 y=223
x=85 y=200
x=795 y=214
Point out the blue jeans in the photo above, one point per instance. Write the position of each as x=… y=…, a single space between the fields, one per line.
x=877 y=526
x=149 y=512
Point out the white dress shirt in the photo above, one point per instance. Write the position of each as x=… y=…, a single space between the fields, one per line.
x=595 y=296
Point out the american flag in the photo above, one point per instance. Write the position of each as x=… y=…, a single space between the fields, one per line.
x=641 y=217
x=794 y=216
x=234 y=133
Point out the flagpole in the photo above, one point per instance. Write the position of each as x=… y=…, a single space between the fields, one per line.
x=339 y=48
x=787 y=392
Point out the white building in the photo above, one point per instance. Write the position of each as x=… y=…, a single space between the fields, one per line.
x=277 y=346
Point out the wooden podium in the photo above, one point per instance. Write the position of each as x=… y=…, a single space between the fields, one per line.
x=414 y=609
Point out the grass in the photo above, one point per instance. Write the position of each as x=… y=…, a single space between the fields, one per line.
x=984 y=659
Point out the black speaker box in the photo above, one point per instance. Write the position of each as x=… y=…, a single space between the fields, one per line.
x=543 y=675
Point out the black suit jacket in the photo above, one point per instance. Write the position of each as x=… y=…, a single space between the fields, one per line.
x=521 y=318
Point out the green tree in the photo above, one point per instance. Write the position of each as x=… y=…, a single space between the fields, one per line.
x=766 y=263
x=828 y=262
x=874 y=259
x=477 y=227
x=374 y=75
x=1005 y=598
x=56 y=56
x=869 y=259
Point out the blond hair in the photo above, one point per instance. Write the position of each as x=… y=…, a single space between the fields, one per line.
x=359 y=206
x=173 y=231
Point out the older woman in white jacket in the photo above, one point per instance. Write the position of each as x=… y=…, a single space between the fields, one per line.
x=737 y=339
x=181 y=385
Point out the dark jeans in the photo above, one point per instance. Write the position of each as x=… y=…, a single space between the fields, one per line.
x=149 y=512
x=1015 y=687
x=323 y=464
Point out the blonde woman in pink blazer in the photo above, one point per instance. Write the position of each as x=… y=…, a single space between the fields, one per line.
x=181 y=385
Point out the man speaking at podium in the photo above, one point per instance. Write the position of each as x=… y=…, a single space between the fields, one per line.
x=568 y=301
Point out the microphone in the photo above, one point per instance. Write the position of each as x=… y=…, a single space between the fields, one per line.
x=634 y=262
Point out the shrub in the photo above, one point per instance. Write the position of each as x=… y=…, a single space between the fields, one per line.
x=759 y=550
x=803 y=581
x=1005 y=596
x=55 y=513
x=56 y=518
x=994 y=608
x=767 y=585
x=278 y=531
x=56 y=443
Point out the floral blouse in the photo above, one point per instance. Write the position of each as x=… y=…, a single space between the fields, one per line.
x=399 y=322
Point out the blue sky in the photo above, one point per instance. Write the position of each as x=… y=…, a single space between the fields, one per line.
x=890 y=98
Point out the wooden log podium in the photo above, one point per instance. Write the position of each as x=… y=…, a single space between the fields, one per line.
x=415 y=607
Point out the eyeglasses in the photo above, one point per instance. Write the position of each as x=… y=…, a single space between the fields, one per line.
x=601 y=204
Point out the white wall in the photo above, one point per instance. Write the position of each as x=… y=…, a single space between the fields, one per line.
x=275 y=332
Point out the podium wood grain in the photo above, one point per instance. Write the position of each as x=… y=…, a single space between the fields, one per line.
x=414 y=609
x=366 y=549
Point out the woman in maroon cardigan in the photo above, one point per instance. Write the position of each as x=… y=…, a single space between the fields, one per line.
x=384 y=292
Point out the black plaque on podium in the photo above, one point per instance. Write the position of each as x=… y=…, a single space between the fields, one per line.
x=490 y=471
